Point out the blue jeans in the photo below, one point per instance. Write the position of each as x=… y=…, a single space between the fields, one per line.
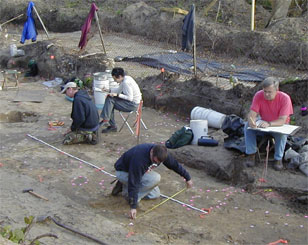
x=148 y=186
x=251 y=141
x=119 y=104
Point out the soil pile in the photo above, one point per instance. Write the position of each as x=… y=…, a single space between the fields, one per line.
x=279 y=44
x=80 y=197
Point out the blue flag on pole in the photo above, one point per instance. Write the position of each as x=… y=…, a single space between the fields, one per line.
x=188 y=30
x=29 y=31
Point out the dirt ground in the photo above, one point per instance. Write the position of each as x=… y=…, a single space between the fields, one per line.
x=79 y=195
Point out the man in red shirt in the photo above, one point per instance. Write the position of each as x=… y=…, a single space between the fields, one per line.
x=270 y=107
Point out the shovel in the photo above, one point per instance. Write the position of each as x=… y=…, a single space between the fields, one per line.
x=44 y=218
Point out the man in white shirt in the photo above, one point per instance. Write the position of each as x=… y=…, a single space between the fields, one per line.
x=125 y=98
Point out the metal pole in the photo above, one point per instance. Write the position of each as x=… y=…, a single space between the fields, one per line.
x=69 y=155
x=253 y=7
x=100 y=169
x=194 y=43
x=38 y=16
x=100 y=31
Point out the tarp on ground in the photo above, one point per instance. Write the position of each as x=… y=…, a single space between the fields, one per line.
x=182 y=63
x=30 y=96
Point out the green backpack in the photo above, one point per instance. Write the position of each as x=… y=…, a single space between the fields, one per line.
x=180 y=138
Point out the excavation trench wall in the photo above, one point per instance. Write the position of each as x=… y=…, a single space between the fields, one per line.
x=289 y=48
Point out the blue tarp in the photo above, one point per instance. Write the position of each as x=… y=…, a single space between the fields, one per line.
x=182 y=63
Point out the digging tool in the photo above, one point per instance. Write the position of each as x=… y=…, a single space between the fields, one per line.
x=43 y=218
x=34 y=194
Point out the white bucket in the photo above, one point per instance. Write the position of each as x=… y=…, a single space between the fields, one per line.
x=100 y=81
x=214 y=118
x=109 y=75
x=199 y=128
x=13 y=50
x=113 y=84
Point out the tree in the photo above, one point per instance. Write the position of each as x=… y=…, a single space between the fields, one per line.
x=280 y=10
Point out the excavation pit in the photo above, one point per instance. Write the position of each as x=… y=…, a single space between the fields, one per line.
x=18 y=116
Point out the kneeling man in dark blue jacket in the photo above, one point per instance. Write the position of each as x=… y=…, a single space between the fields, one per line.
x=135 y=177
x=85 y=125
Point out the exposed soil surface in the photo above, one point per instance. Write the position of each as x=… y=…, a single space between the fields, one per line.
x=79 y=196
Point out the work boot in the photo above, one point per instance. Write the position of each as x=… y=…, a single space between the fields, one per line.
x=109 y=129
x=117 y=188
x=278 y=166
x=93 y=138
x=250 y=160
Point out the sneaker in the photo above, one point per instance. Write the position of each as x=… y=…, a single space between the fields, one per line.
x=109 y=129
x=278 y=166
x=250 y=160
x=117 y=188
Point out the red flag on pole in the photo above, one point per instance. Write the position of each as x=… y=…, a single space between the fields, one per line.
x=139 y=112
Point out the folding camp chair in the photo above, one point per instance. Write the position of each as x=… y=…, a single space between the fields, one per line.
x=10 y=75
x=125 y=119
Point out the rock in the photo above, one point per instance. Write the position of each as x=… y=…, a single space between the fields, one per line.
x=215 y=161
x=138 y=13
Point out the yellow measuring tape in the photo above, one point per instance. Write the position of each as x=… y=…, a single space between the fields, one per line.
x=161 y=203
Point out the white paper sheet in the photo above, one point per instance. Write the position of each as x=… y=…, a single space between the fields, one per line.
x=285 y=129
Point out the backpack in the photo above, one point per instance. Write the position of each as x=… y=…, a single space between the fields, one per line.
x=233 y=126
x=180 y=138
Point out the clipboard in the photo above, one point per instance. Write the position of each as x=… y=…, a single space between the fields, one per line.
x=285 y=129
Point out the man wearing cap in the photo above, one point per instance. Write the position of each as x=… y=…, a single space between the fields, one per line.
x=273 y=108
x=85 y=125
x=124 y=98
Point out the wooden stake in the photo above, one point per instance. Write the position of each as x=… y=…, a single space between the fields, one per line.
x=11 y=20
x=38 y=16
x=100 y=31
x=218 y=10
x=253 y=7
x=86 y=55
x=138 y=119
x=208 y=8
x=194 y=44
